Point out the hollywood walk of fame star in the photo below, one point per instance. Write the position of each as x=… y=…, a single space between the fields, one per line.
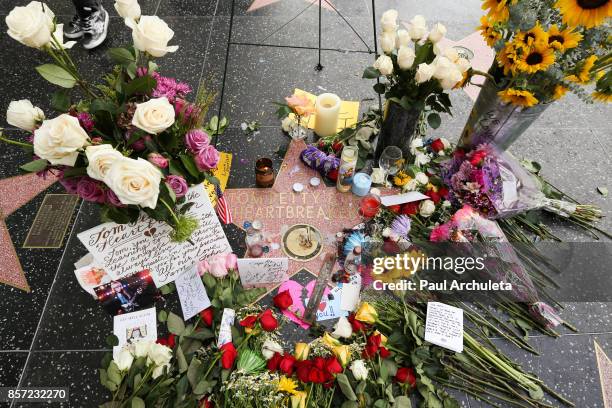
x=604 y=365
x=279 y=208
x=257 y=4
x=15 y=192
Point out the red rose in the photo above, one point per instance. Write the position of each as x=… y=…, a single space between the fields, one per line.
x=287 y=364
x=405 y=375
x=332 y=175
x=437 y=145
x=319 y=362
x=410 y=208
x=228 y=355
x=302 y=370
x=283 y=300
x=205 y=403
x=207 y=316
x=274 y=362
x=375 y=340
x=356 y=324
x=169 y=341
x=337 y=146
x=268 y=321
x=443 y=192
x=477 y=157
x=394 y=208
x=435 y=197
x=459 y=153
x=316 y=375
x=249 y=321
x=333 y=366
x=384 y=353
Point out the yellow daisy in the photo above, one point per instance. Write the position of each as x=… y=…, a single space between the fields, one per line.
x=518 y=97
x=602 y=96
x=588 y=13
x=401 y=179
x=287 y=385
x=506 y=59
x=488 y=32
x=536 y=36
x=559 y=92
x=562 y=40
x=535 y=59
x=498 y=9
x=584 y=75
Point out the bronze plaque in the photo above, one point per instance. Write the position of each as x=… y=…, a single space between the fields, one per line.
x=52 y=220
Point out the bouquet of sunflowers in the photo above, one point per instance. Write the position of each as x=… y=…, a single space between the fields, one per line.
x=545 y=48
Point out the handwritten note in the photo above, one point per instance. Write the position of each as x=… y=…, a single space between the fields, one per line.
x=350 y=293
x=192 y=293
x=329 y=308
x=133 y=327
x=225 y=328
x=444 y=326
x=123 y=249
x=262 y=271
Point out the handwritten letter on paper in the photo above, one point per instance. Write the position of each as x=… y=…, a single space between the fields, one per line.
x=262 y=271
x=444 y=326
x=192 y=293
x=124 y=249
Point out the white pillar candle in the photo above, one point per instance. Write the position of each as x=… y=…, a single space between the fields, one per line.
x=327 y=112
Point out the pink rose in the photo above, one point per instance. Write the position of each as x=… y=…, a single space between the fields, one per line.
x=158 y=160
x=216 y=265
x=231 y=261
x=207 y=158
x=90 y=190
x=112 y=199
x=196 y=140
x=178 y=185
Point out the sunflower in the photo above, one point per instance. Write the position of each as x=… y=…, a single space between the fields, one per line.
x=535 y=59
x=498 y=9
x=563 y=40
x=588 y=13
x=287 y=385
x=487 y=30
x=401 y=179
x=506 y=59
x=536 y=36
x=518 y=97
x=584 y=76
x=602 y=96
x=559 y=92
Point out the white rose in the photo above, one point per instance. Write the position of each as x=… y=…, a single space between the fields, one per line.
x=59 y=37
x=289 y=123
x=24 y=115
x=424 y=73
x=269 y=348
x=141 y=348
x=421 y=178
x=445 y=142
x=31 y=25
x=343 y=328
x=134 y=182
x=441 y=66
x=159 y=370
x=128 y=8
x=403 y=38
x=427 y=208
x=154 y=116
x=405 y=57
x=415 y=144
x=388 y=20
x=411 y=185
x=159 y=354
x=417 y=27
x=101 y=158
x=421 y=159
x=387 y=42
x=151 y=34
x=59 y=140
x=384 y=64
x=451 y=54
x=463 y=64
x=359 y=370
x=452 y=77
x=437 y=33
x=124 y=359
x=378 y=175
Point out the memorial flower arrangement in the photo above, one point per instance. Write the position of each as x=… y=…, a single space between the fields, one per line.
x=133 y=142
x=544 y=49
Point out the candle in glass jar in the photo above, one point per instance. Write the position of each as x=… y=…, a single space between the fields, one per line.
x=369 y=205
x=264 y=172
x=361 y=184
x=327 y=112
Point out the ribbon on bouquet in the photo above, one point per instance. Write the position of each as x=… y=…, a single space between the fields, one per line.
x=223 y=210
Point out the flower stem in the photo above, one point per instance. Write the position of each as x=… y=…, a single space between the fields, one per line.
x=15 y=142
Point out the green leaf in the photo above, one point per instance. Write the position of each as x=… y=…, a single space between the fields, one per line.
x=213 y=124
x=371 y=73
x=194 y=372
x=102 y=105
x=345 y=387
x=114 y=374
x=402 y=402
x=379 y=88
x=162 y=316
x=190 y=165
x=176 y=325
x=121 y=56
x=56 y=75
x=74 y=172
x=181 y=360
x=142 y=85
x=202 y=334
x=434 y=120
x=603 y=191
x=138 y=403
x=35 y=166
x=112 y=340
x=60 y=101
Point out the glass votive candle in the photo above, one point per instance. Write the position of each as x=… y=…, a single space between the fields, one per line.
x=264 y=173
x=361 y=184
x=369 y=205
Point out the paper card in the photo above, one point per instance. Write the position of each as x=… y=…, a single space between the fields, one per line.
x=84 y=261
x=128 y=294
x=444 y=326
x=299 y=294
x=329 y=308
x=262 y=271
x=90 y=274
x=350 y=293
x=348 y=116
x=397 y=199
x=135 y=326
x=123 y=249
x=192 y=293
x=225 y=328
x=222 y=173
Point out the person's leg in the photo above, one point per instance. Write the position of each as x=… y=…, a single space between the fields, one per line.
x=85 y=8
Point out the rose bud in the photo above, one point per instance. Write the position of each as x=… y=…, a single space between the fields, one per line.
x=228 y=355
x=283 y=300
x=207 y=316
x=268 y=321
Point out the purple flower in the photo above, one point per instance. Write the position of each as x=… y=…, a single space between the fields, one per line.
x=86 y=121
x=178 y=185
x=401 y=225
x=90 y=190
x=70 y=184
x=157 y=160
x=207 y=158
x=112 y=199
x=138 y=145
x=196 y=140
x=169 y=87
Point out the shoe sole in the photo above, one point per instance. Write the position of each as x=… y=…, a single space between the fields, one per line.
x=102 y=37
x=73 y=36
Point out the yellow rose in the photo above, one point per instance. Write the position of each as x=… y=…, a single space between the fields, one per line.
x=383 y=338
x=366 y=313
x=298 y=400
x=301 y=351
x=342 y=353
x=329 y=341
